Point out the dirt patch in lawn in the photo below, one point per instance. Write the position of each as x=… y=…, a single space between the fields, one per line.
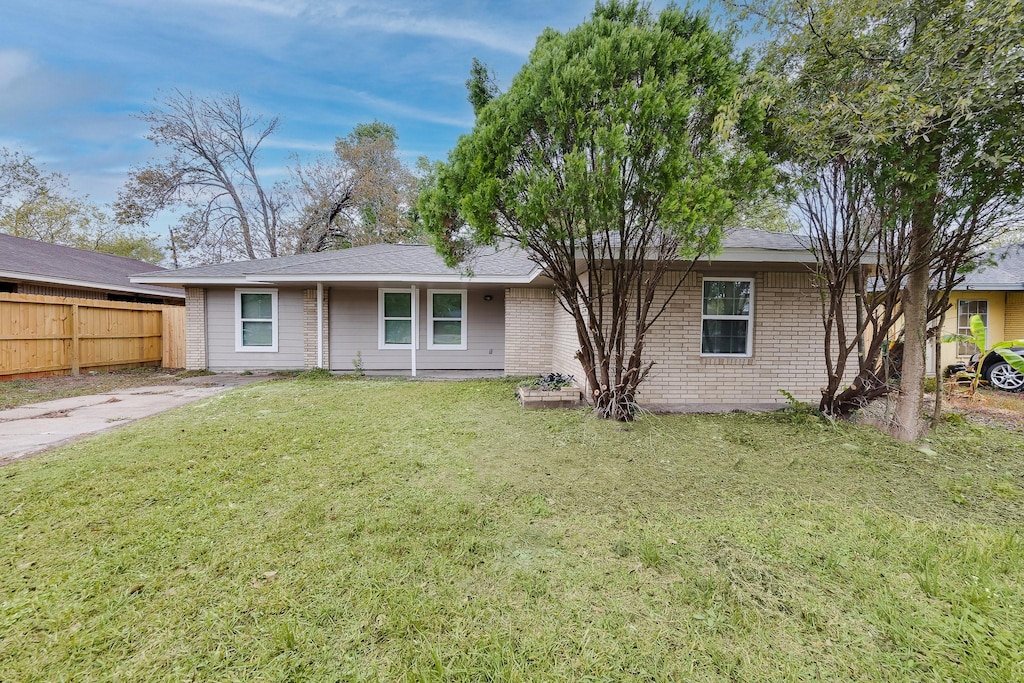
x=988 y=407
x=20 y=392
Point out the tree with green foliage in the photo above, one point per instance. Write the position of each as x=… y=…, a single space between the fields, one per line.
x=614 y=158
x=481 y=85
x=921 y=101
x=40 y=206
x=364 y=194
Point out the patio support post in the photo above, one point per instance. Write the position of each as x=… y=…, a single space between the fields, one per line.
x=415 y=326
x=319 y=324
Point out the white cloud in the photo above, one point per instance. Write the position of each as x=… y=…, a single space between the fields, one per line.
x=276 y=8
x=451 y=28
x=297 y=145
x=407 y=110
x=416 y=19
x=14 y=65
x=28 y=86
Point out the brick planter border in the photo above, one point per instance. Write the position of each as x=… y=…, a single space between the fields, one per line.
x=566 y=397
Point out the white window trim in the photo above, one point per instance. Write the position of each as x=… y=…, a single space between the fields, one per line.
x=967 y=331
x=274 y=323
x=749 y=318
x=381 y=345
x=430 y=320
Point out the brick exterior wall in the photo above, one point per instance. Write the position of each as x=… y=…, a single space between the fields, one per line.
x=195 y=328
x=787 y=348
x=309 y=329
x=565 y=344
x=787 y=345
x=528 y=324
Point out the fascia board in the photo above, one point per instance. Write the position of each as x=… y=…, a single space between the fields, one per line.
x=992 y=287
x=86 y=284
x=199 y=281
x=401 y=277
x=762 y=256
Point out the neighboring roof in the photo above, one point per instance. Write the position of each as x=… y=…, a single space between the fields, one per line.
x=421 y=263
x=34 y=261
x=999 y=269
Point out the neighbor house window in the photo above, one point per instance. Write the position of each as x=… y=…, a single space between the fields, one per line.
x=966 y=309
x=446 y=315
x=395 y=319
x=256 y=320
x=727 y=317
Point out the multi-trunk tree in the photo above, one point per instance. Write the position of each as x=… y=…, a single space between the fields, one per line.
x=918 y=105
x=615 y=157
x=212 y=177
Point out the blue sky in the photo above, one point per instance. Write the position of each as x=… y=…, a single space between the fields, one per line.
x=73 y=72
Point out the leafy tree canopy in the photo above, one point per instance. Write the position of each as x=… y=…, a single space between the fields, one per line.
x=39 y=205
x=364 y=194
x=618 y=141
x=916 y=105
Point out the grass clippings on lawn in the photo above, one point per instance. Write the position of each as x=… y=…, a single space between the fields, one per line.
x=385 y=530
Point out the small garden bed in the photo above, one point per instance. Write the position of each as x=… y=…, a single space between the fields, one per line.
x=553 y=390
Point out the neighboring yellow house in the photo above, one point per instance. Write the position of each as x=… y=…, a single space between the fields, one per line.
x=995 y=291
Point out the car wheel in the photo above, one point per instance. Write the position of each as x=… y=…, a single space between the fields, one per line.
x=1002 y=376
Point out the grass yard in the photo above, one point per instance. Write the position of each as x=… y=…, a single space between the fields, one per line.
x=390 y=530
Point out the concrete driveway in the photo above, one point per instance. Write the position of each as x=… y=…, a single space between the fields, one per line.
x=30 y=429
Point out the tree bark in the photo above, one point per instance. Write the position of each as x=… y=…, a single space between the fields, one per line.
x=906 y=424
x=907 y=419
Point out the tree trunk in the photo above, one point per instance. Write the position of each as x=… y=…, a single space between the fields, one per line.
x=907 y=418
x=906 y=424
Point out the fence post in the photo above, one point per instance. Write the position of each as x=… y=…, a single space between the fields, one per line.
x=74 y=339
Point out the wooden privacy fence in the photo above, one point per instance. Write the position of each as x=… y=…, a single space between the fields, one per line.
x=49 y=335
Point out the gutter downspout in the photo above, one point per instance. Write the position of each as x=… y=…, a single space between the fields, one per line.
x=415 y=325
x=320 y=325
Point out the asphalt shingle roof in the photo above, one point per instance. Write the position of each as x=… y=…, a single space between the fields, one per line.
x=42 y=262
x=374 y=259
x=1000 y=268
x=422 y=260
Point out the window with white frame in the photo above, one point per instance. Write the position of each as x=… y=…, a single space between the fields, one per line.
x=446 y=316
x=395 y=316
x=965 y=310
x=727 y=317
x=256 y=320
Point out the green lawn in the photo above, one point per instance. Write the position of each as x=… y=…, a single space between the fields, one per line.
x=390 y=530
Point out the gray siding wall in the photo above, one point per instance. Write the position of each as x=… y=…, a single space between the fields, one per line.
x=220 y=333
x=353 y=329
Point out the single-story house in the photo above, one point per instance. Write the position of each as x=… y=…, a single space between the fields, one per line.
x=744 y=324
x=34 y=267
x=995 y=291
